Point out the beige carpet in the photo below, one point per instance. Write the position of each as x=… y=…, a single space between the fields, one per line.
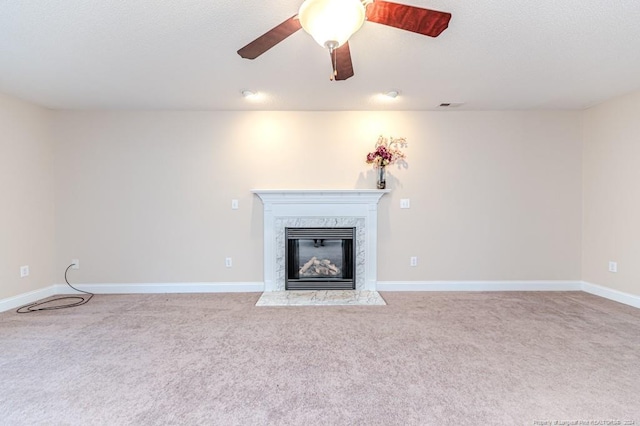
x=424 y=359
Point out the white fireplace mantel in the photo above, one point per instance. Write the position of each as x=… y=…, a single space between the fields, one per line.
x=317 y=208
x=320 y=196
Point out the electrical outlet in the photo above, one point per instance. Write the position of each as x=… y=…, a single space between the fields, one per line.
x=613 y=266
x=234 y=204
x=227 y=262
x=24 y=271
x=405 y=203
x=75 y=263
x=413 y=261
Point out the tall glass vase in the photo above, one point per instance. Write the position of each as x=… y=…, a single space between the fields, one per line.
x=381 y=172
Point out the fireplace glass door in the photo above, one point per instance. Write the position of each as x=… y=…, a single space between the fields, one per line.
x=320 y=258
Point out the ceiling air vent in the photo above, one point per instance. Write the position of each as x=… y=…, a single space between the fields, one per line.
x=448 y=105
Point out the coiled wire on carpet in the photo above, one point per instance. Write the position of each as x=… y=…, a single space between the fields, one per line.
x=37 y=306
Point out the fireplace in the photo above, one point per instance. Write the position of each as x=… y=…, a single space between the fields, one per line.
x=320 y=208
x=320 y=259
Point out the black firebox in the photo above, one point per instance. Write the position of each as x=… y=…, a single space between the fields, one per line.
x=320 y=259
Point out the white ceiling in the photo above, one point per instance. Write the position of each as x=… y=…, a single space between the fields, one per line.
x=181 y=54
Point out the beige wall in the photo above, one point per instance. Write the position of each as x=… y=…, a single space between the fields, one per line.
x=26 y=197
x=611 y=185
x=145 y=196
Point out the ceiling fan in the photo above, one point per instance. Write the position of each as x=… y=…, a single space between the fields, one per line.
x=332 y=22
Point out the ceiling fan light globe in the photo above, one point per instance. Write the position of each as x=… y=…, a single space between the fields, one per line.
x=331 y=20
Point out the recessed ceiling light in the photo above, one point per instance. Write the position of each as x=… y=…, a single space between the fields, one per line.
x=392 y=94
x=248 y=93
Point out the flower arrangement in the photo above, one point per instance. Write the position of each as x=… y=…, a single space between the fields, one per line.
x=388 y=151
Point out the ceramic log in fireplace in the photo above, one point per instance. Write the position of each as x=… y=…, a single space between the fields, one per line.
x=319 y=259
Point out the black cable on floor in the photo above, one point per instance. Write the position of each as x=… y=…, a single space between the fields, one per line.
x=81 y=300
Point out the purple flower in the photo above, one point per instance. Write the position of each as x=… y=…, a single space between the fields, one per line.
x=387 y=151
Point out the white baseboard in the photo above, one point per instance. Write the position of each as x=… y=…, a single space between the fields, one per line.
x=479 y=286
x=26 y=298
x=611 y=294
x=159 y=288
x=150 y=288
x=147 y=288
x=597 y=290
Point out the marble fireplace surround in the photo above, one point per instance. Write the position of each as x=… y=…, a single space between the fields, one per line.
x=319 y=208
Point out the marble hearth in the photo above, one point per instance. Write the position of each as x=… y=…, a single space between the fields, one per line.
x=315 y=208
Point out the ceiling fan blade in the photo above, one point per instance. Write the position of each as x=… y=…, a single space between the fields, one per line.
x=343 y=64
x=416 y=19
x=269 y=39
